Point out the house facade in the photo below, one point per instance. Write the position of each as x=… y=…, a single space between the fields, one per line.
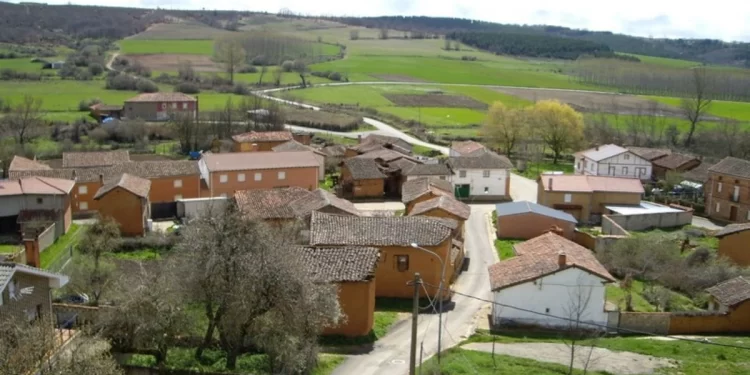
x=26 y=292
x=446 y=207
x=550 y=277
x=423 y=189
x=35 y=200
x=224 y=174
x=485 y=176
x=526 y=220
x=320 y=156
x=585 y=197
x=675 y=162
x=362 y=178
x=728 y=190
x=733 y=243
x=160 y=106
x=125 y=200
x=612 y=161
x=260 y=141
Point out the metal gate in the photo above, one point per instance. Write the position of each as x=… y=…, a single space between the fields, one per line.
x=462 y=191
x=163 y=210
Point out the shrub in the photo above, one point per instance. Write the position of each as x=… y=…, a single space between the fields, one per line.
x=240 y=89
x=121 y=82
x=145 y=85
x=96 y=69
x=10 y=74
x=248 y=69
x=469 y=58
x=85 y=105
x=156 y=241
x=259 y=60
x=335 y=76
x=83 y=74
x=99 y=135
x=187 y=88
x=287 y=66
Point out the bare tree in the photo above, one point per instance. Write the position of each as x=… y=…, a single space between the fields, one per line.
x=729 y=133
x=92 y=271
x=383 y=33
x=277 y=74
x=24 y=120
x=187 y=130
x=263 y=70
x=301 y=68
x=579 y=300
x=231 y=53
x=697 y=104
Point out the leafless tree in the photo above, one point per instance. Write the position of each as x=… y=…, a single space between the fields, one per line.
x=697 y=104
x=383 y=33
x=277 y=74
x=579 y=300
x=187 y=130
x=92 y=272
x=231 y=53
x=301 y=68
x=353 y=34
x=24 y=120
x=263 y=71
x=729 y=133
x=185 y=71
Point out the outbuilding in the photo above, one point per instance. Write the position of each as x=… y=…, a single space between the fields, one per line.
x=526 y=220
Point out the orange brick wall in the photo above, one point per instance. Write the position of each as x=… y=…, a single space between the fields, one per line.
x=163 y=189
x=306 y=178
x=390 y=282
x=737 y=320
x=126 y=209
x=262 y=146
x=735 y=247
x=87 y=198
x=357 y=302
x=527 y=226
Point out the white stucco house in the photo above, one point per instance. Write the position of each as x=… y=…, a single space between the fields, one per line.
x=551 y=277
x=482 y=175
x=613 y=161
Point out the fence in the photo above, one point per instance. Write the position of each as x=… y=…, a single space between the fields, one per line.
x=62 y=260
x=610 y=226
x=652 y=220
x=735 y=320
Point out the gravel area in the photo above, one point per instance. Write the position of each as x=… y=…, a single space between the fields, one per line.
x=621 y=363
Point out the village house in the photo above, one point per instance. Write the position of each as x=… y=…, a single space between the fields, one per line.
x=731 y=295
x=394 y=237
x=423 y=189
x=362 y=178
x=270 y=205
x=585 y=197
x=435 y=170
x=352 y=270
x=26 y=292
x=321 y=200
x=90 y=159
x=101 y=111
x=526 y=220
x=445 y=206
x=160 y=106
x=225 y=174
x=466 y=148
x=125 y=200
x=650 y=153
x=728 y=190
x=260 y=141
x=296 y=146
x=734 y=243
x=612 y=161
x=483 y=175
x=550 y=275
x=334 y=153
x=35 y=202
x=675 y=162
x=374 y=142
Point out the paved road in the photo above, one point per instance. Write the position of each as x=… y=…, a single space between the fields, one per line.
x=522 y=188
x=702 y=222
x=391 y=353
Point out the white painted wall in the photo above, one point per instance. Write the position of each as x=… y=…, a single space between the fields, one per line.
x=11 y=205
x=408 y=178
x=555 y=295
x=495 y=183
x=627 y=165
x=204 y=172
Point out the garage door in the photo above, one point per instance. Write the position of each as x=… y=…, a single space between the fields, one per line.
x=462 y=191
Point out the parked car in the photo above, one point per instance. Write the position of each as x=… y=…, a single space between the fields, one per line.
x=74 y=299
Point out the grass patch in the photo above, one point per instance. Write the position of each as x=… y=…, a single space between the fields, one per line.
x=535 y=169
x=24 y=64
x=153 y=47
x=678 y=302
x=664 y=61
x=734 y=110
x=140 y=255
x=57 y=249
x=504 y=248
x=327 y=184
x=332 y=121
x=9 y=249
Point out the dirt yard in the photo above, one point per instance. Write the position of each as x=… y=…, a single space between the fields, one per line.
x=396 y=78
x=435 y=100
x=171 y=62
x=619 y=363
x=597 y=102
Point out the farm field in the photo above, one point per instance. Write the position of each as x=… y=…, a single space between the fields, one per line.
x=180 y=30
x=188 y=47
x=663 y=61
x=24 y=64
x=733 y=110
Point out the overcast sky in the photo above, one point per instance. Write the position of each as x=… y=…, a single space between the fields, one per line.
x=723 y=19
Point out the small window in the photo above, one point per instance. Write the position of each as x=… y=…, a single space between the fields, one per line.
x=402 y=263
x=39 y=200
x=178 y=197
x=258 y=176
x=486 y=174
x=223 y=195
x=83 y=189
x=223 y=179
x=174 y=105
x=546 y=311
x=486 y=189
x=282 y=175
x=624 y=170
x=83 y=206
x=241 y=177
x=718 y=188
x=627 y=156
x=163 y=105
x=461 y=174
x=568 y=198
x=177 y=184
x=184 y=106
x=718 y=207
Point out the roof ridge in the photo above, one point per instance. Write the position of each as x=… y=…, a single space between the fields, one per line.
x=43 y=180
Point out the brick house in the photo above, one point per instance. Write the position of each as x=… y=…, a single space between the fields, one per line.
x=393 y=236
x=225 y=174
x=584 y=197
x=94 y=158
x=296 y=146
x=352 y=270
x=283 y=205
x=447 y=207
x=159 y=106
x=422 y=189
x=260 y=141
x=125 y=199
x=35 y=201
x=674 y=162
x=26 y=292
x=526 y=220
x=733 y=243
x=728 y=190
x=362 y=178
x=321 y=200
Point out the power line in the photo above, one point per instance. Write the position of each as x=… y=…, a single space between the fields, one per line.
x=595 y=324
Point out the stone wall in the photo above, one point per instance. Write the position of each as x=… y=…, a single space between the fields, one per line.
x=657 y=323
x=610 y=226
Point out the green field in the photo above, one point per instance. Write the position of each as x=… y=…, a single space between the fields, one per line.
x=733 y=110
x=151 y=47
x=663 y=61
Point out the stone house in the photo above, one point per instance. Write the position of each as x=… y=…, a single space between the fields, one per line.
x=362 y=178
x=423 y=189
x=444 y=206
x=585 y=197
x=674 y=162
x=728 y=190
x=26 y=292
x=733 y=243
x=526 y=220
x=125 y=199
x=160 y=106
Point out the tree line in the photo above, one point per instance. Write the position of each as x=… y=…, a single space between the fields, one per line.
x=531 y=45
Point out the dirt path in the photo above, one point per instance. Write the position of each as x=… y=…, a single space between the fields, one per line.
x=112 y=60
x=620 y=363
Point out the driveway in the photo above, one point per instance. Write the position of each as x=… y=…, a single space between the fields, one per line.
x=702 y=222
x=522 y=188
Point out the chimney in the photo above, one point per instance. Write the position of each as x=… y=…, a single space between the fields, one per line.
x=101 y=179
x=74 y=175
x=597 y=147
x=32 y=251
x=254 y=147
x=562 y=260
x=359 y=138
x=549 y=183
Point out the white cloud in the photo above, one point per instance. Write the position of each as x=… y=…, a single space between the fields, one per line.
x=723 y=19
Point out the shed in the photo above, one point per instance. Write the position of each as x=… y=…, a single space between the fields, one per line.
x=526 y=220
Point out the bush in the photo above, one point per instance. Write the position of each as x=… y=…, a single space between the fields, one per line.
x=145 y=85
x=187 y=88
x=96 y=69
x=83 y=74
x=248 y=69
x=335 y=76
x=10 y=74
x=259 y=60
x=85 y=105
x=240 y=89
x=121 y=82
x=99 y=135
x=287 y=66
x=156 y=241
x=469 y=58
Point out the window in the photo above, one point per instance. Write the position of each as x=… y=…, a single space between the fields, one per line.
x=625 y=170
x=178 y=197
x=177 y=184
x=627 y=156
x=184 y=106
x=83 y=206
x=486 y=189
x=241 y=177
x=163 y=105
x=578 y=166
x=748 y=215
x=174 y=105
x=223 y=179
x=462 y=174
x=223 y=195
x=402 y=263
x=486 y=174
x=718 y=207
x=718 y=188
x=568 y=198
x=83 y=189
x=282 y=175
x=258 y=176
x=39 y=200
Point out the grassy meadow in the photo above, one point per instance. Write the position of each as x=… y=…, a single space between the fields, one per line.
x=155 y=47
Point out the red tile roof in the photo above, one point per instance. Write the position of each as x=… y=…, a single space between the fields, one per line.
x=134 y=184
x=277 y=136
x=588 y=184
x=162 y=97
x=36 y=186
x=270 y=203
x=446 y=203
x=94 y=158
x=341 y=264
x=20 y=163
x=243 y=161
x=466 y=147
x=731 y=292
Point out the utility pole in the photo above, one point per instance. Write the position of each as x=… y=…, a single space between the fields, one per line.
x=414 y=321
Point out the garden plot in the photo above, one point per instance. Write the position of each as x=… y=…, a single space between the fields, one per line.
x=171 y=62
x=435 y=100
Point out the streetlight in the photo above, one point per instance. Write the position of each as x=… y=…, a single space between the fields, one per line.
x=440 y=296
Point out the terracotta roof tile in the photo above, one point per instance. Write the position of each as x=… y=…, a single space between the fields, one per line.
x=270 y=203
x=162 y=97
x=486 y=160
x=340 y=230
x=385 y=154
x=650 y=154
x=587 y=184
x=731 y=292
x=94 y=158
x=732 y=166
x=446 y=203
x=276 y=136
x=415 y=188
x=436 y=169
x=335 y=150
x=296 y=146
x=466 y=147
x=363 y=169
x=134 y=184
x=674 y=161
x=538 y=257
x=241 y=161
x=145 y=169
x=699 y=173
x=36 y=185
x=319 y=199
x=341 y=264
x=399 y=143
x=20 y=163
